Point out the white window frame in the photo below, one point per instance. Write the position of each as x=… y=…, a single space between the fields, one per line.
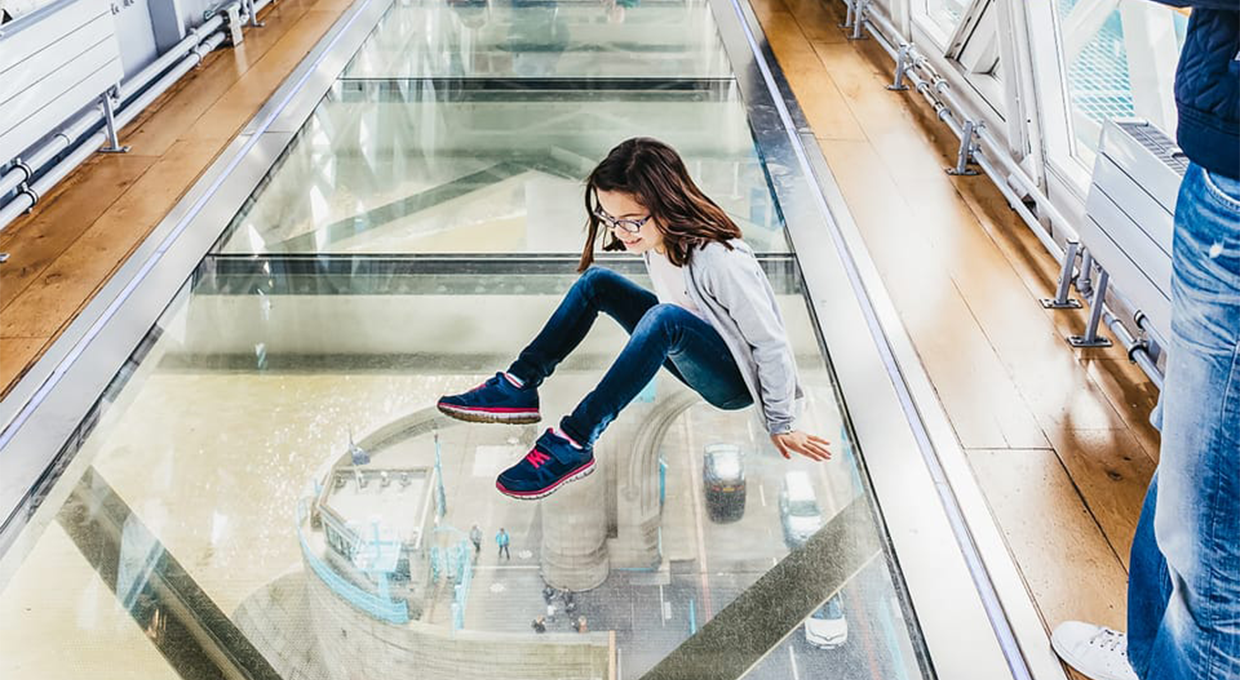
x=1066 y=176
x=1008 y=63
x=1152 y=53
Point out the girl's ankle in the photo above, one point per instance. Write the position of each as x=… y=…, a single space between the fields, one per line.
x=562 y=435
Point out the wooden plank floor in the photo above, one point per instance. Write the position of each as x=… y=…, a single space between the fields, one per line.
x=1058 y=438
x=64 y=251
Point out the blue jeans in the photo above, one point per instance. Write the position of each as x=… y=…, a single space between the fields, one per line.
x=659 y=335
x=1184 y=578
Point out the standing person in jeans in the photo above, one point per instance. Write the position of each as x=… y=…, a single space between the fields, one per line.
x=1184 y=578
x=711 y=321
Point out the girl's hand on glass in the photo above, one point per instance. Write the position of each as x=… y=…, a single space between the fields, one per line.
x=808 y=445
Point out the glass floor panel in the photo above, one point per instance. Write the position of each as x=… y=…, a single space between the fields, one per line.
x=544 y=39
x=265 y=489
x=423 y=167
x=221 y=471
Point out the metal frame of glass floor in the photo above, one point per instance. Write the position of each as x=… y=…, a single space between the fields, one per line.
x=232 y=461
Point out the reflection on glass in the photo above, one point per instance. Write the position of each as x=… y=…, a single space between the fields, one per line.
x=396 y=169
x=236 y=478
x=267 y=490
x=544 y=39
x=945 y=14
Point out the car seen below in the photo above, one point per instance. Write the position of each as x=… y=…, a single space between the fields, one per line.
x=799 y=511
x=827 y=628
x=723 y=477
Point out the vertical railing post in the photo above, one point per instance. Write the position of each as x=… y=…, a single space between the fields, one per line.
x=848 y=14
x=902 y=59
x=1061 y=299
x=249 y=6
x=109 y=120
x=1090 y=338
x=964 y=154
x=858 y=27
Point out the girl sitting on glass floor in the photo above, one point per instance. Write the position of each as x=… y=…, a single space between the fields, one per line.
x=712 y=321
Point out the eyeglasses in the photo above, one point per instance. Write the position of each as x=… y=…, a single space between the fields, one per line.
x=631 y=226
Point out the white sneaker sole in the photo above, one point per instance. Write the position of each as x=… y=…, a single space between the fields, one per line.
x=581 y=473
x=504 y=417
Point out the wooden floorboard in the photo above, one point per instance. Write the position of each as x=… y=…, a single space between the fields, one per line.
x=1042 y=514
x=1111 y=473
x=1074 y=574
x=35 y=242
x=16 y=356
x=179 y=109
x=46 y=306
x=80 y=233
x=1058 y=438
x=1131 y=394
x=986 y=409
x=239 y=104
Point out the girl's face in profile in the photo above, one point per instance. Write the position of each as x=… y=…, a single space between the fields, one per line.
x=621 y=213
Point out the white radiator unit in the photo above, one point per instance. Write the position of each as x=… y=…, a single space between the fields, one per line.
x=54 y=62
x=1128 y=214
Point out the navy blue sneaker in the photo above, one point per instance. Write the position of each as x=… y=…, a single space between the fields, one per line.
x=552 y=463
x=495 y=401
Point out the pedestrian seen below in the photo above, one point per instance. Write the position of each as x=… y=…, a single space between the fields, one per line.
x=581 y=625
x=712 y=321
x=1184 y=567
x=475 y=537
x=502 y=540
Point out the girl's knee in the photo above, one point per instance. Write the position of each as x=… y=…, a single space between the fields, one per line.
x=596 y=279
x=662 y=320
x=596 y=274
x=663 y=315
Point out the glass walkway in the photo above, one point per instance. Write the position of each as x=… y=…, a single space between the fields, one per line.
x=263 y=488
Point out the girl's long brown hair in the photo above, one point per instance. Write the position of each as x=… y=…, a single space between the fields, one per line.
x=654 y=175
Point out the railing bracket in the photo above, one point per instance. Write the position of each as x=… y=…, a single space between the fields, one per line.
x=109 y=120
x=968 y=146
x=902 y=64
x=858 y=25
x=1091 y=338
x=1061 y=299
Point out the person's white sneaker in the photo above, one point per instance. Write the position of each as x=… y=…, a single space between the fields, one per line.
x=1095 y=651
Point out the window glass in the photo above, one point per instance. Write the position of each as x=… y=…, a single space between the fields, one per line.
x=1107 y=77
x=944 y=14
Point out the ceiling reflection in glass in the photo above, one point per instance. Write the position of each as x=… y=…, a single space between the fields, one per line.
x=544 y=39
x=429 y=167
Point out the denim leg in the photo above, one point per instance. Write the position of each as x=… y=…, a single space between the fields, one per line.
x=1149 y=586
x=596 y=290
x=1196 y=504
x=697 y=353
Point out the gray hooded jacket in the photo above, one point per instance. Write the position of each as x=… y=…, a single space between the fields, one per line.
x=733 y=293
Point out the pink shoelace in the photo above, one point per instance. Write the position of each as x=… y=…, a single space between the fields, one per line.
x=537 y=458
